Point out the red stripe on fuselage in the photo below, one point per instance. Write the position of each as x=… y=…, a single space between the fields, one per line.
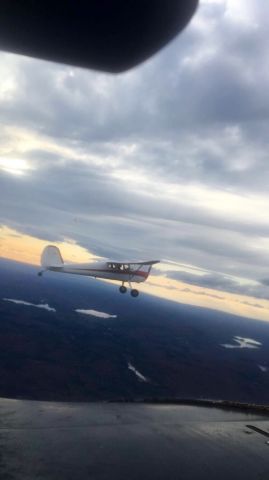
x=131 y=273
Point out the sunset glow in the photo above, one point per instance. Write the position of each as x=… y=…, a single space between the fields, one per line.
x=27 y=249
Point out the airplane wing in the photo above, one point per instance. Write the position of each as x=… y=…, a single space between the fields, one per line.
x=148 y=262
x=193 y=442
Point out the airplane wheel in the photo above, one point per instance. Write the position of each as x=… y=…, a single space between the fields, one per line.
x=134 y=292
x=123 y=289
x=39 y=274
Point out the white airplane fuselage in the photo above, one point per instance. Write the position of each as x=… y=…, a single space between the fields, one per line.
x=106 y=270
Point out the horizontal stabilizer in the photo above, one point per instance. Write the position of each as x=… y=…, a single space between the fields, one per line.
x=51 y=257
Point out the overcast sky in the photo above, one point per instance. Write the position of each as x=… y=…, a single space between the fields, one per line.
x=169 y=160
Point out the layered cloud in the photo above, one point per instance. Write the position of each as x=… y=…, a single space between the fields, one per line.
x=168 y=160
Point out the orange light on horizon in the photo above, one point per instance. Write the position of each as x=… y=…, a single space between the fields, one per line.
x=27 y=249
x=181 y=292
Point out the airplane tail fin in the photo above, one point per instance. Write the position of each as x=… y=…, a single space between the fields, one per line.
x=51 y=257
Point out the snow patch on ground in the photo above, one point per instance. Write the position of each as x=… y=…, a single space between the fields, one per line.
x=139 y=375
x=263 y=368
x=242 y=342
x=44 y=306
x=95 y=313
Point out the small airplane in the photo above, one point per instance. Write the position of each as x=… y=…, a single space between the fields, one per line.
x=125 y=272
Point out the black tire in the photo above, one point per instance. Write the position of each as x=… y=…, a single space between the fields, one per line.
x=122 y=289
x=134 y=292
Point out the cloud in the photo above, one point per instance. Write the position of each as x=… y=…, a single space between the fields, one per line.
x=131 y=221
x=195 y=292
x=166 y=161
x=255 y=305
x=217 y=281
